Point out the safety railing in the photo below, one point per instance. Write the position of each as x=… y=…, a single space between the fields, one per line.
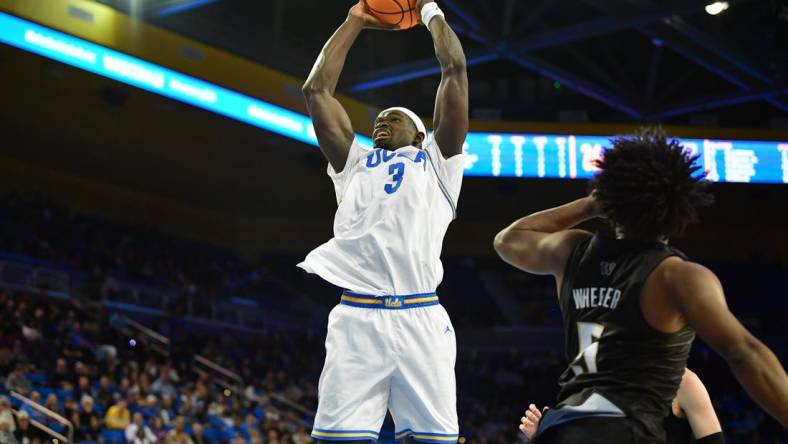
x=49 y=413
x=236 y=384
x=43 y=427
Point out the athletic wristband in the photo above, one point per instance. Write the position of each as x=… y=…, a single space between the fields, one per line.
x=714 y=438
x=429 y=12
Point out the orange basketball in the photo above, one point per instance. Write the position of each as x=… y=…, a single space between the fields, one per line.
x=402 y=13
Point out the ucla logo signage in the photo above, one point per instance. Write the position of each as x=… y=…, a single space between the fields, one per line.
x=379 y=156
x=393 y=301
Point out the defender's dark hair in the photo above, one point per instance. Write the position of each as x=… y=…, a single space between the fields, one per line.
x=650 y=186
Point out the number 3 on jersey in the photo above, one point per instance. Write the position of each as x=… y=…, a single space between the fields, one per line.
x=588 y=334
x=397 y=171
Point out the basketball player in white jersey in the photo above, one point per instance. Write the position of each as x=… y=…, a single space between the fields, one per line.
x=390 y=345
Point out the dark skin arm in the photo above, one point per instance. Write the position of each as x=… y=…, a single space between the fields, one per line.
x=332 y=124
x=697 y=295
x=542 y=242
x=450 y=119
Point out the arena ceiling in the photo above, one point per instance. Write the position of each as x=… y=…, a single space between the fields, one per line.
x=571 y=60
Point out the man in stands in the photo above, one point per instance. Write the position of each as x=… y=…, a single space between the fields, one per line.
x=7 y=424
x=17 y=381
x=25 y=433
x=118 y=416
x=138 y=432
x=178 y=435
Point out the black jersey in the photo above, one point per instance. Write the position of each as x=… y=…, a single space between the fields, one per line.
x=677 y=430
x=611 y=348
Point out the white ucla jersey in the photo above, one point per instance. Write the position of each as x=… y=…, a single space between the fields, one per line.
x=394 y=209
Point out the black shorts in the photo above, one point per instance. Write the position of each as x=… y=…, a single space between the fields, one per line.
x=590 y=431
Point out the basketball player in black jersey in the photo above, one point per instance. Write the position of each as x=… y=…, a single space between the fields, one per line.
x=632 y=304
x=691 y=417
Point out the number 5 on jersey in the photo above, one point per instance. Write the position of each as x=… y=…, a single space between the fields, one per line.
x=588 y=334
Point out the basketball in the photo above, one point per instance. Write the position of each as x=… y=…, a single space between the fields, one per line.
x=402 y=13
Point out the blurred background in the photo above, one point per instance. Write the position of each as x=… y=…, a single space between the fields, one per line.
x=160 y=181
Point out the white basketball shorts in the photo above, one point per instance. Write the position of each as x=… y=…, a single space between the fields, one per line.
x=393 y=353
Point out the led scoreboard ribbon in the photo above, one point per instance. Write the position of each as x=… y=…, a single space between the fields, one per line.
x=570 y=157
x=489 y=154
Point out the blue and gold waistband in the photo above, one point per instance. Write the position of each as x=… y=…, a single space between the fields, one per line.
x=390 y=302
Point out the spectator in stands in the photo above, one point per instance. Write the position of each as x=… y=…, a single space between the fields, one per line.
x=17 y=381
x=70 y=409
x=87 y=414
x=158 y=429
x=52 y=403
x=151 y=403
x=31 y=412
x=25 y=433
x=133 y=401
x=255 y=437
x=103 y=393
x=172 y=373
x=61 y=377
x=185 y=410
x=139 y=433
x=93 y=431
x=197 y=433
x=273 y=436
x=167 y=409
x=118 y=416
x=178 y=434
x=7 y=424
x=6 y=360
x=124 y=387
x=162 y=385
x=302 y=436
x=83 y=388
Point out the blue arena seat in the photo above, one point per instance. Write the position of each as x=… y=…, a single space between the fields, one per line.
x=113 y=436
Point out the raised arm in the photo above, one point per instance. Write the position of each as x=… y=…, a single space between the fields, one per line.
x=542 y=242
x=450 y=118
x=697 y=294
x=332 y=125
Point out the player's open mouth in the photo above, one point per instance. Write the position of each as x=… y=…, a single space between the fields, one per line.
x=382 y=134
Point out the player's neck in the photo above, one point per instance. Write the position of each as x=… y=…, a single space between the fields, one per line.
x=621 y=234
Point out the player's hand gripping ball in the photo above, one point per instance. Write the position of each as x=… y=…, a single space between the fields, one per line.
x=402 y=14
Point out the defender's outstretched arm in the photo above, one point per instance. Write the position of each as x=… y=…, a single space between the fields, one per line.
x=697 y=294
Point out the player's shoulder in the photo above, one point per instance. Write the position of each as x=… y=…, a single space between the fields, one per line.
x=433 y=149
x=676 y=273
x=360 y=145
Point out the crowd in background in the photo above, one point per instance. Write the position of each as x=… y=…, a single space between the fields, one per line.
x=116 y=386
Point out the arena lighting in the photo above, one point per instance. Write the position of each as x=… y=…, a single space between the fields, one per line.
x=716 y=7
x=558 y=156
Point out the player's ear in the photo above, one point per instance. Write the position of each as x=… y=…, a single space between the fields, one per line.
x=419 y=138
